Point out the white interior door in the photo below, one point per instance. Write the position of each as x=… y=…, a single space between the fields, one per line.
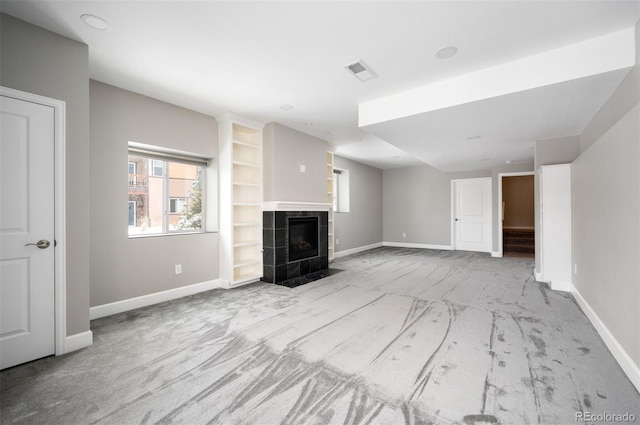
x=27 y=329
x=472 y=215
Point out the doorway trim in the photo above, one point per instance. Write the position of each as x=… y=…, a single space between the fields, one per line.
x=60 y=214
x=500 y=253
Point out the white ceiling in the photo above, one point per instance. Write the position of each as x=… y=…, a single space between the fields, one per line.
x=252 y=57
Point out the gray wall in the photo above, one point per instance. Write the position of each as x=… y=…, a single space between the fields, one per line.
x=123 y=268
x=560 y=150
x=285 y=149
x=38 y=61
x=605 y=211
x=362 y=225
x=417 y=201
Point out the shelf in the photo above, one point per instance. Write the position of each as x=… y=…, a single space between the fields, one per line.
x=246 y=204
x=247 y=263
x=246 y=164
x=249 y=145
x=246 y=224
x=247 y=276
x=246 y=184
x=247 y=243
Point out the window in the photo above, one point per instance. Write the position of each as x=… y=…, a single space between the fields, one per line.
x=177 y=205
x=167 y=195
x=340 y=190
x=132 y=213
x=158 y=168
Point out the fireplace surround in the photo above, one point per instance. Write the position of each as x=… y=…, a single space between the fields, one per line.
x=295 y=245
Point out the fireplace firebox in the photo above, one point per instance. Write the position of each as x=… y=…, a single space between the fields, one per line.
x=303 y=237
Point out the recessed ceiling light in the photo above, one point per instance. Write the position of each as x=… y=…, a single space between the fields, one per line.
x=95 y=21
x=446 y=52
x=286 y=107
x=508 y=161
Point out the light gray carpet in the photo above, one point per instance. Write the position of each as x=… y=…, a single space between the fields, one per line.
x=400 y=336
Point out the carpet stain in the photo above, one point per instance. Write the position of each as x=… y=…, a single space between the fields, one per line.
x=541 y=346
x=480 y=419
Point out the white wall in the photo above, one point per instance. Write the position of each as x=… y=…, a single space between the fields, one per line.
x=362 y=225
x=38 y=61
x=561 y=150
x=123 y=268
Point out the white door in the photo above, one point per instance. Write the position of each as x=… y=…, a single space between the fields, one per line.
x=472 y=215
x=26 y=232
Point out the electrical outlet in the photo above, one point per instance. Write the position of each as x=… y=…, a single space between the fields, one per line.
x=178 y=268
x=575 y=269
x=303 y=168
x=404 y=235
x=337 y=241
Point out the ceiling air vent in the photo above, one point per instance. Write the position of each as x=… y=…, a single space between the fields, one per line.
x=361 y=71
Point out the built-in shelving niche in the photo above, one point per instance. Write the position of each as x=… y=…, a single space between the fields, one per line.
x=241 y=200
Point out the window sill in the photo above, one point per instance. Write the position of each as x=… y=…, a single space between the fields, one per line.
x=160 y=235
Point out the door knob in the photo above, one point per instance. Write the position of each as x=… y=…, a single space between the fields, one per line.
x=42 y=244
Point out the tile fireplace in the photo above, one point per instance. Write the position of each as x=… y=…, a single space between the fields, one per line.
x=295 y=245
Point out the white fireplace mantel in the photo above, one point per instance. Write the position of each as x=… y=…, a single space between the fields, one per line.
x=296 y=206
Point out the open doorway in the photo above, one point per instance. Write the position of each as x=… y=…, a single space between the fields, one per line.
x=517 y=214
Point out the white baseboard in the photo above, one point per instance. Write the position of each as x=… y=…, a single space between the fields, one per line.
x=418 y=245
x=496 y=254
x=356 y=250
x=150 y=299
x=628 y=366
x=77 y=342
x=539 y=277
x=562 y=286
